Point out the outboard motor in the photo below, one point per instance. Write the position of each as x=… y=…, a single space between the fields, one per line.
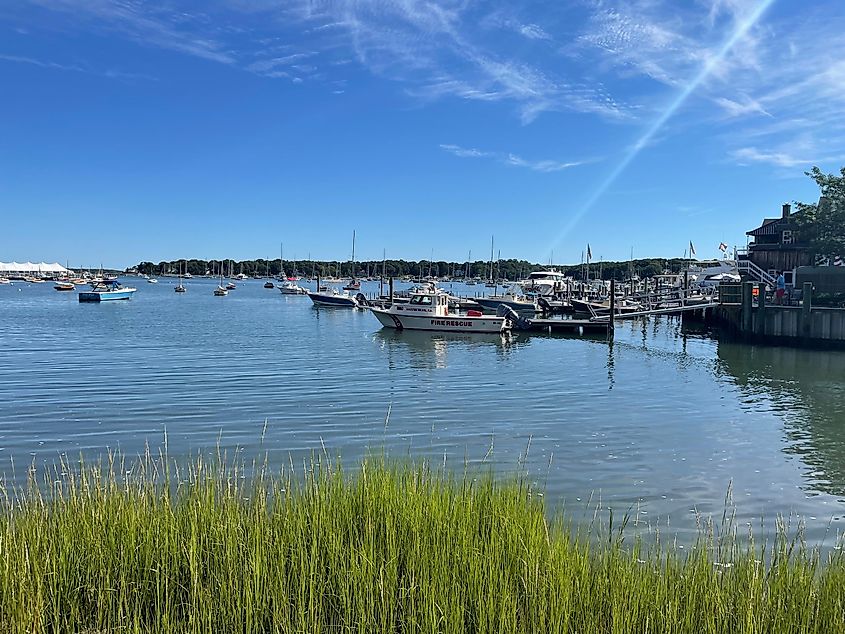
x=362 y=300
x=518 y=322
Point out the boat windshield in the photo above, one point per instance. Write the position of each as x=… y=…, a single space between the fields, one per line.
x=539 y=275
x=424 y=300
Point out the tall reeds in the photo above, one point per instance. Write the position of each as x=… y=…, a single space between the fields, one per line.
x=151 y=547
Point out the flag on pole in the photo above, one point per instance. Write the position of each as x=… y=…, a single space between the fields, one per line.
x=723 y=247
x=589 y=252
x=691 y=249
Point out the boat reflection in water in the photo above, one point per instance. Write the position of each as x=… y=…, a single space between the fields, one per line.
x=806 y=390
x=429 y=349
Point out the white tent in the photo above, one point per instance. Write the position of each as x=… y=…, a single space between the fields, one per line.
x=32 y=267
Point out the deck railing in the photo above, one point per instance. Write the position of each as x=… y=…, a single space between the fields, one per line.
x=752 y=270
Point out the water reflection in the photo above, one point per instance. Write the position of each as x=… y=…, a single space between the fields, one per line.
x=430 y=350
x=804 y=388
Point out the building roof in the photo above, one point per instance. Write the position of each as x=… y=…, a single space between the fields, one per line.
x=770 y=226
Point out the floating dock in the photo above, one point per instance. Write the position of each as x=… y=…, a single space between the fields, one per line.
x=570 y=326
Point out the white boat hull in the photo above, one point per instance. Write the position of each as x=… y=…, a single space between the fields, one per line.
x=456 y=323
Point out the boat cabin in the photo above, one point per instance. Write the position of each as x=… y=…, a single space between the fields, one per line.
x=429 y=301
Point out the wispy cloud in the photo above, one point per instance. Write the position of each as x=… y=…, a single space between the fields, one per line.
x=618 y=60
x=741 y=106
x=507 y=158
x=533 y=32
x=76 y=68
x=434 y=49
x=749 y=155
x=146 y=24
x=779 y=80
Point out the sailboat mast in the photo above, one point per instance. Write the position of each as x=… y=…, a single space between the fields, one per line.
x=491 y=258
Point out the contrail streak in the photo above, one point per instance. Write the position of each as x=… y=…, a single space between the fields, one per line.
x=708 y=68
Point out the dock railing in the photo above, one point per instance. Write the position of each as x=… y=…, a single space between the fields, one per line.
x=752 y=270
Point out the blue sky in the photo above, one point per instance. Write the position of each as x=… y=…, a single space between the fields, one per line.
x=144 y=130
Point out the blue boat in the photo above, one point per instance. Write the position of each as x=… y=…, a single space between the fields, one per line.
x=106 y=292
x=333 y=297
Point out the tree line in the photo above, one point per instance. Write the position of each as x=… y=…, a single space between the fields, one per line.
x=510 y=269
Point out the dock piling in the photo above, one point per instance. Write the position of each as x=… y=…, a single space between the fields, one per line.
x=610 y=324
x=806 y=307
x=747 y=304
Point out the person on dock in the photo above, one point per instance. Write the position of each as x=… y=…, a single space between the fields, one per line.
x=780 y=288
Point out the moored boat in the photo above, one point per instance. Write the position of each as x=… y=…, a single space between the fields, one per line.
x=428 y=309
x=621 y=306
x=512 y=299
x=103 y=292
x=333 y=297
x=64 y=286
x=291 y=288
x=544 y=282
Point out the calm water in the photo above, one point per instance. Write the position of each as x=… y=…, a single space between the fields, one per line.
x=661 y=421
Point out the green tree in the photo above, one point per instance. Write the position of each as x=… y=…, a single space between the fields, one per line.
x=822 y=225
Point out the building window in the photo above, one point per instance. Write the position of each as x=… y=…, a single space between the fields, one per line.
x=787 y=237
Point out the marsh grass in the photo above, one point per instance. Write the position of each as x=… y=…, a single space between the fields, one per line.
x=388 y=547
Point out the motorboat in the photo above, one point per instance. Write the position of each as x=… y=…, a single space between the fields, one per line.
x=152 y=280
x=512 y=299
x=269 y=284
x=353 y=285
x=429 y=310
x=710 y=281
x=545 y=282
x=64 y=286
x=291 y=288
x=107 y=291
x=621 y=306
x=333 y=297
x=5 y=280
x=231 y=286
x=709 y=273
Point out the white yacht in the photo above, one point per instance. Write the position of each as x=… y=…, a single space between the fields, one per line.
x=710 y=273
x=428 y=309
x=544 y=282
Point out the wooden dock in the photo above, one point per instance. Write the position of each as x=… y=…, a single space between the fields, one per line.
x=570 y=326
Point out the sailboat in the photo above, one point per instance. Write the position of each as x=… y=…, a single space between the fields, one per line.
x=490 y=282
x=180 y=288
x=269 y=282
x=231 y=285
x=221 y=291
x=354 y=285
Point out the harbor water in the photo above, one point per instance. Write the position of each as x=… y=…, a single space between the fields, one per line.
x=661 y=422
